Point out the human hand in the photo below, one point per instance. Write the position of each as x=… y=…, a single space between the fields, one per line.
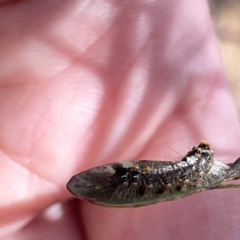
x=88 y=83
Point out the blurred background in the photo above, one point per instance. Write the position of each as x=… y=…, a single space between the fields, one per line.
x=226 y=20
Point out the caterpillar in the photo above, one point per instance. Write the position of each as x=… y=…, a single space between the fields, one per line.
x=144 y=182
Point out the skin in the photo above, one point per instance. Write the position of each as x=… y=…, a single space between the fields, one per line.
x=87 y=83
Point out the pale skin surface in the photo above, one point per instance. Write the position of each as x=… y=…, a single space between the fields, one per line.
x=87 y=83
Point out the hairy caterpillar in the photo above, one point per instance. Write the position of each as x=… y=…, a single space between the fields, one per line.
x=139 y=183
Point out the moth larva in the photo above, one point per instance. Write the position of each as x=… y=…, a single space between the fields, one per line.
x=139 y=183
